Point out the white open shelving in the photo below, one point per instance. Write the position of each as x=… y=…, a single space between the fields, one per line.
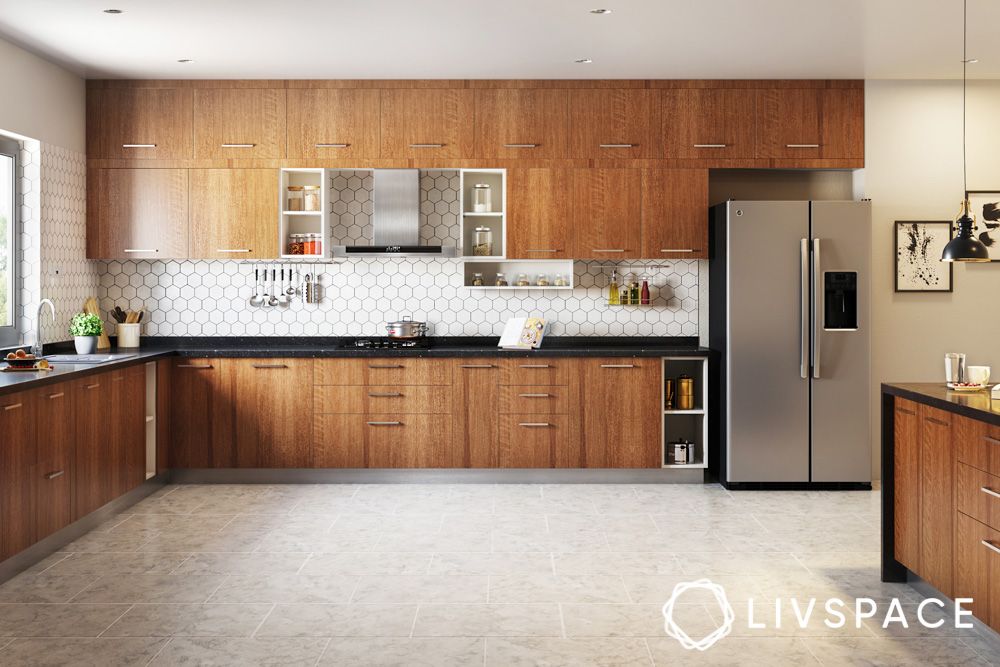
x=304 y=222
x=691 y=424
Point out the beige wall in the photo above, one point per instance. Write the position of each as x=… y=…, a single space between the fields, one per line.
x=40 y=100
x=913 y=160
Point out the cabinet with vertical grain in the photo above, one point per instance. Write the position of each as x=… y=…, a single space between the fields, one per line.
x=522 y=123
x=234 y=213
x=53 y=471
x=273 y=403
x=201 y=414
x=140 y=123
x=675 y=213
x=708 y=123
x=235 y=123
x=621 y=412
x=607 y=214
x=614 y=123
x=539 y=218
x=17 y=456
x=426 y=123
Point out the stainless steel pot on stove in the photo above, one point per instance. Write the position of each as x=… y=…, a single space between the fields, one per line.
x=406 y=328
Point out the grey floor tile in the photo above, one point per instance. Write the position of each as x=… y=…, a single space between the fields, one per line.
x=120 y=564
x=190 y=620
x=421 y=588
x=285 y=588
x=242 y=563
x=360 y=562
x=632 y=620
x=866 y=652
x=57 y=620
x=618 y=562
x=339 y=620
x=557 y=588
x=490 y=563
x=78 y=652
x=151 y=588
x=218 y=651
x=395 y=652
x=575 y=652
x=44 y=587
x=487 y=620
x=734 y=652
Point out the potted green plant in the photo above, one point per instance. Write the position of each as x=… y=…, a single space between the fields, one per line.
x=85 y=329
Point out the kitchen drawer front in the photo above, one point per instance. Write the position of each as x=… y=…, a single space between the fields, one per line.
x=529 y=371
x=540 y=399
x=977 y=494
x=383 y=371
x=53 y=488
x=338 y=441
x=977 y=444
x=977 y=568
x=408 y=441
x=403 y=400
x=540 y=441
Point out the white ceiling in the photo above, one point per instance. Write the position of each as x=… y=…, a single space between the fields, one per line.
x=343 y=39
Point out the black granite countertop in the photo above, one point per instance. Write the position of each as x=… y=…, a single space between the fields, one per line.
x=261 y=347
x=975 y=405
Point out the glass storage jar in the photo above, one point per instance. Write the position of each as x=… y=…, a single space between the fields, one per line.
x=501 y=280
x=482 y=242
x=313 y=244
x=481 y=198
x=296 y=244
x=310 y=197
x=296 y=198
x=522 y=280
x=477 y=280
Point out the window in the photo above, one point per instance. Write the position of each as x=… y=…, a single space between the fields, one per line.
x=9 y=150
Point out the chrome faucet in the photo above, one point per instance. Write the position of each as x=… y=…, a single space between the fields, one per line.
x=36 y=349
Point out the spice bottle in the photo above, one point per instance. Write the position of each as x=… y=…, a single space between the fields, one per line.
x=477 y=280
x=633 y=291
x=560 y=281
x=644 y=292
x=614 y=298
x=543 y=280
x=501 y=280
x=522 y=280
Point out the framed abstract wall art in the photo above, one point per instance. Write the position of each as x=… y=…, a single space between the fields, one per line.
x=919 y=245
x=986 y=208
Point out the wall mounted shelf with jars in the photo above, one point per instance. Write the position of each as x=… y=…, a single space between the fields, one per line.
x=684 y=399
x=304 y=221
x=537 y=274
x=484 y=213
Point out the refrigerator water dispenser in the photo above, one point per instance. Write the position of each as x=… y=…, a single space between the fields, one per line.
x=840 y=301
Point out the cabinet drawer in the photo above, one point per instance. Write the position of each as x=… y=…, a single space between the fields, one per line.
x=977 y=494
x=540 y=399
x=977 y=444
x=540 y=441
x=531 y=371
x=53 y=484
x=383 y=371
x=408 y=441
x=977 y=568
x=403 y=400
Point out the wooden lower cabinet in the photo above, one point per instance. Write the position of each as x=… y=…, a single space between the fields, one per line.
x=17 y=456
x=977 y=568
x=539 y=441
x=936 y=493
x=53 y=473
x=977 y=444
x=408 y=441
x=362 y=399
x=273 y=401
x=977 y=494
x=201 y=414
x=621 y=412
x=94 y=461
x=385 y=371
x=131 y=422
x=906 y=476
x=476 y=421
x=338 y=441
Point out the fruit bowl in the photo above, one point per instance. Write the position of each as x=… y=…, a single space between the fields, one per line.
x=20 y=359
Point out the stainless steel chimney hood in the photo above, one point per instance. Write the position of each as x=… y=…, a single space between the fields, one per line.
x=395 y=219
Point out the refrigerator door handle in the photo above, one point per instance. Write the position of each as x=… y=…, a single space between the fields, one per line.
x=817 y=310
x=804 y=308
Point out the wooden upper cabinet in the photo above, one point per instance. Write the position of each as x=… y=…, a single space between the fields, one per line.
x=810 y=123
x=538 y=219
x=610 y=123
x=708 y=123
x=621 y=412
x=234 y=213
x=137 y=214
x=333 y=123
x=606 y=213
x=426 y=123
x=675 y=213
x=143 y=123
x=239 y=123
x=522 y=123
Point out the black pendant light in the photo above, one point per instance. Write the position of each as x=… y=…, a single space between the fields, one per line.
x=965 y=247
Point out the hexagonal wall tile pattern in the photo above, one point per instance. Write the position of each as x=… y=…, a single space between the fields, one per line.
x=209 y=298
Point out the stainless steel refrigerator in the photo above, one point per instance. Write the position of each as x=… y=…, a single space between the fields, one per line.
x=789 y=314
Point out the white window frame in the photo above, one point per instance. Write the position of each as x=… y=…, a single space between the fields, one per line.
x=9 y=335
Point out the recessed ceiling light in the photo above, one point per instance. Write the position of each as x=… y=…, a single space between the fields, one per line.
x=600 y=11
x=185 y=60
x=583 y=61
x=113 y=11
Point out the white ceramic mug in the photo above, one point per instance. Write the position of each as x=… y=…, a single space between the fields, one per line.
x=978 y=374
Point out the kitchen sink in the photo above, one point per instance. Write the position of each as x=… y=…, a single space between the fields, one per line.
x=85 y=358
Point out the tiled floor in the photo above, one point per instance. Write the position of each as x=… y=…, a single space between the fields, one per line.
x=463 y=575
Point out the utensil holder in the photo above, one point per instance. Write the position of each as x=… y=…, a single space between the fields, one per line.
x=129 y=334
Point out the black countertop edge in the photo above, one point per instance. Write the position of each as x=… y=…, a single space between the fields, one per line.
x=977 y=405
x=15 y=382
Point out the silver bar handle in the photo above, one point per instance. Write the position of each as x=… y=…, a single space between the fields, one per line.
x=233 y=250
x=678 y=249
x=542 y=250
x=12 y=406
x=801 y=145
x=386 y=366
x=520 y=145
x=426 y=145
x=54 y=475
x=804 y=309
x=535 y=395
x=138 y=145
x=817 y=309
x=991 y=546
x=332 y=145
x=384 y=423
x=990 y=492
x=617 y=365
x=991 y=440
x=238 y=145
x=195 y=366
x=711 y=145
x=140 y=250
x=535 y=424
x=263 y=366
x=607 y=250
x=536 y=366
x=477 y=366
x=384 y=394
x=618 y=145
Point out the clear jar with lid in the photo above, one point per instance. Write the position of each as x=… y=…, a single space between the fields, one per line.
x=522 y=280
x=560 y=281
x=542 y=281
x=313 y=244
x=296 y=198
x=482 y=242
x=482 y=199
x=477 y=280
x=310 y=198
x=296 y=244
x=501 y=280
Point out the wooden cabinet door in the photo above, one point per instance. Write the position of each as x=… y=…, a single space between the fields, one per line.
x=140 y=123
x=234 y=213
x=333 y=123
x=53 y=470
x=126 y=414
x=810 y=123
x=273 y=412
x=431 y=123
x=17 y=456
x=540 y=441
x=708 y=123
x=977 y=568
x=539 y=203
x=977 y=444
x=338 y=441
x=613 y=123
x=239 y=123
x=409 y=441
x=842 y=123
x=906 y=478
x=93 y=456
x=621 y=413
x=137 y=214
x=476 y=433
x=522 y=123
x=606 y=213
x=937 y=508
x=201 y=415
x=675 y=213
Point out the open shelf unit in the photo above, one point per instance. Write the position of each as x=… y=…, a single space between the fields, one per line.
x=494 y=219
x=151 y=419
x=690 y=424
x=531 y=268
x=304 y=222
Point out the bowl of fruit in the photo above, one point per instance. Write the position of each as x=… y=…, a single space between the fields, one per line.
x=20 y=360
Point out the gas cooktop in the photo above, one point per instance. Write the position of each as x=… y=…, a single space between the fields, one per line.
x=386 y=343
